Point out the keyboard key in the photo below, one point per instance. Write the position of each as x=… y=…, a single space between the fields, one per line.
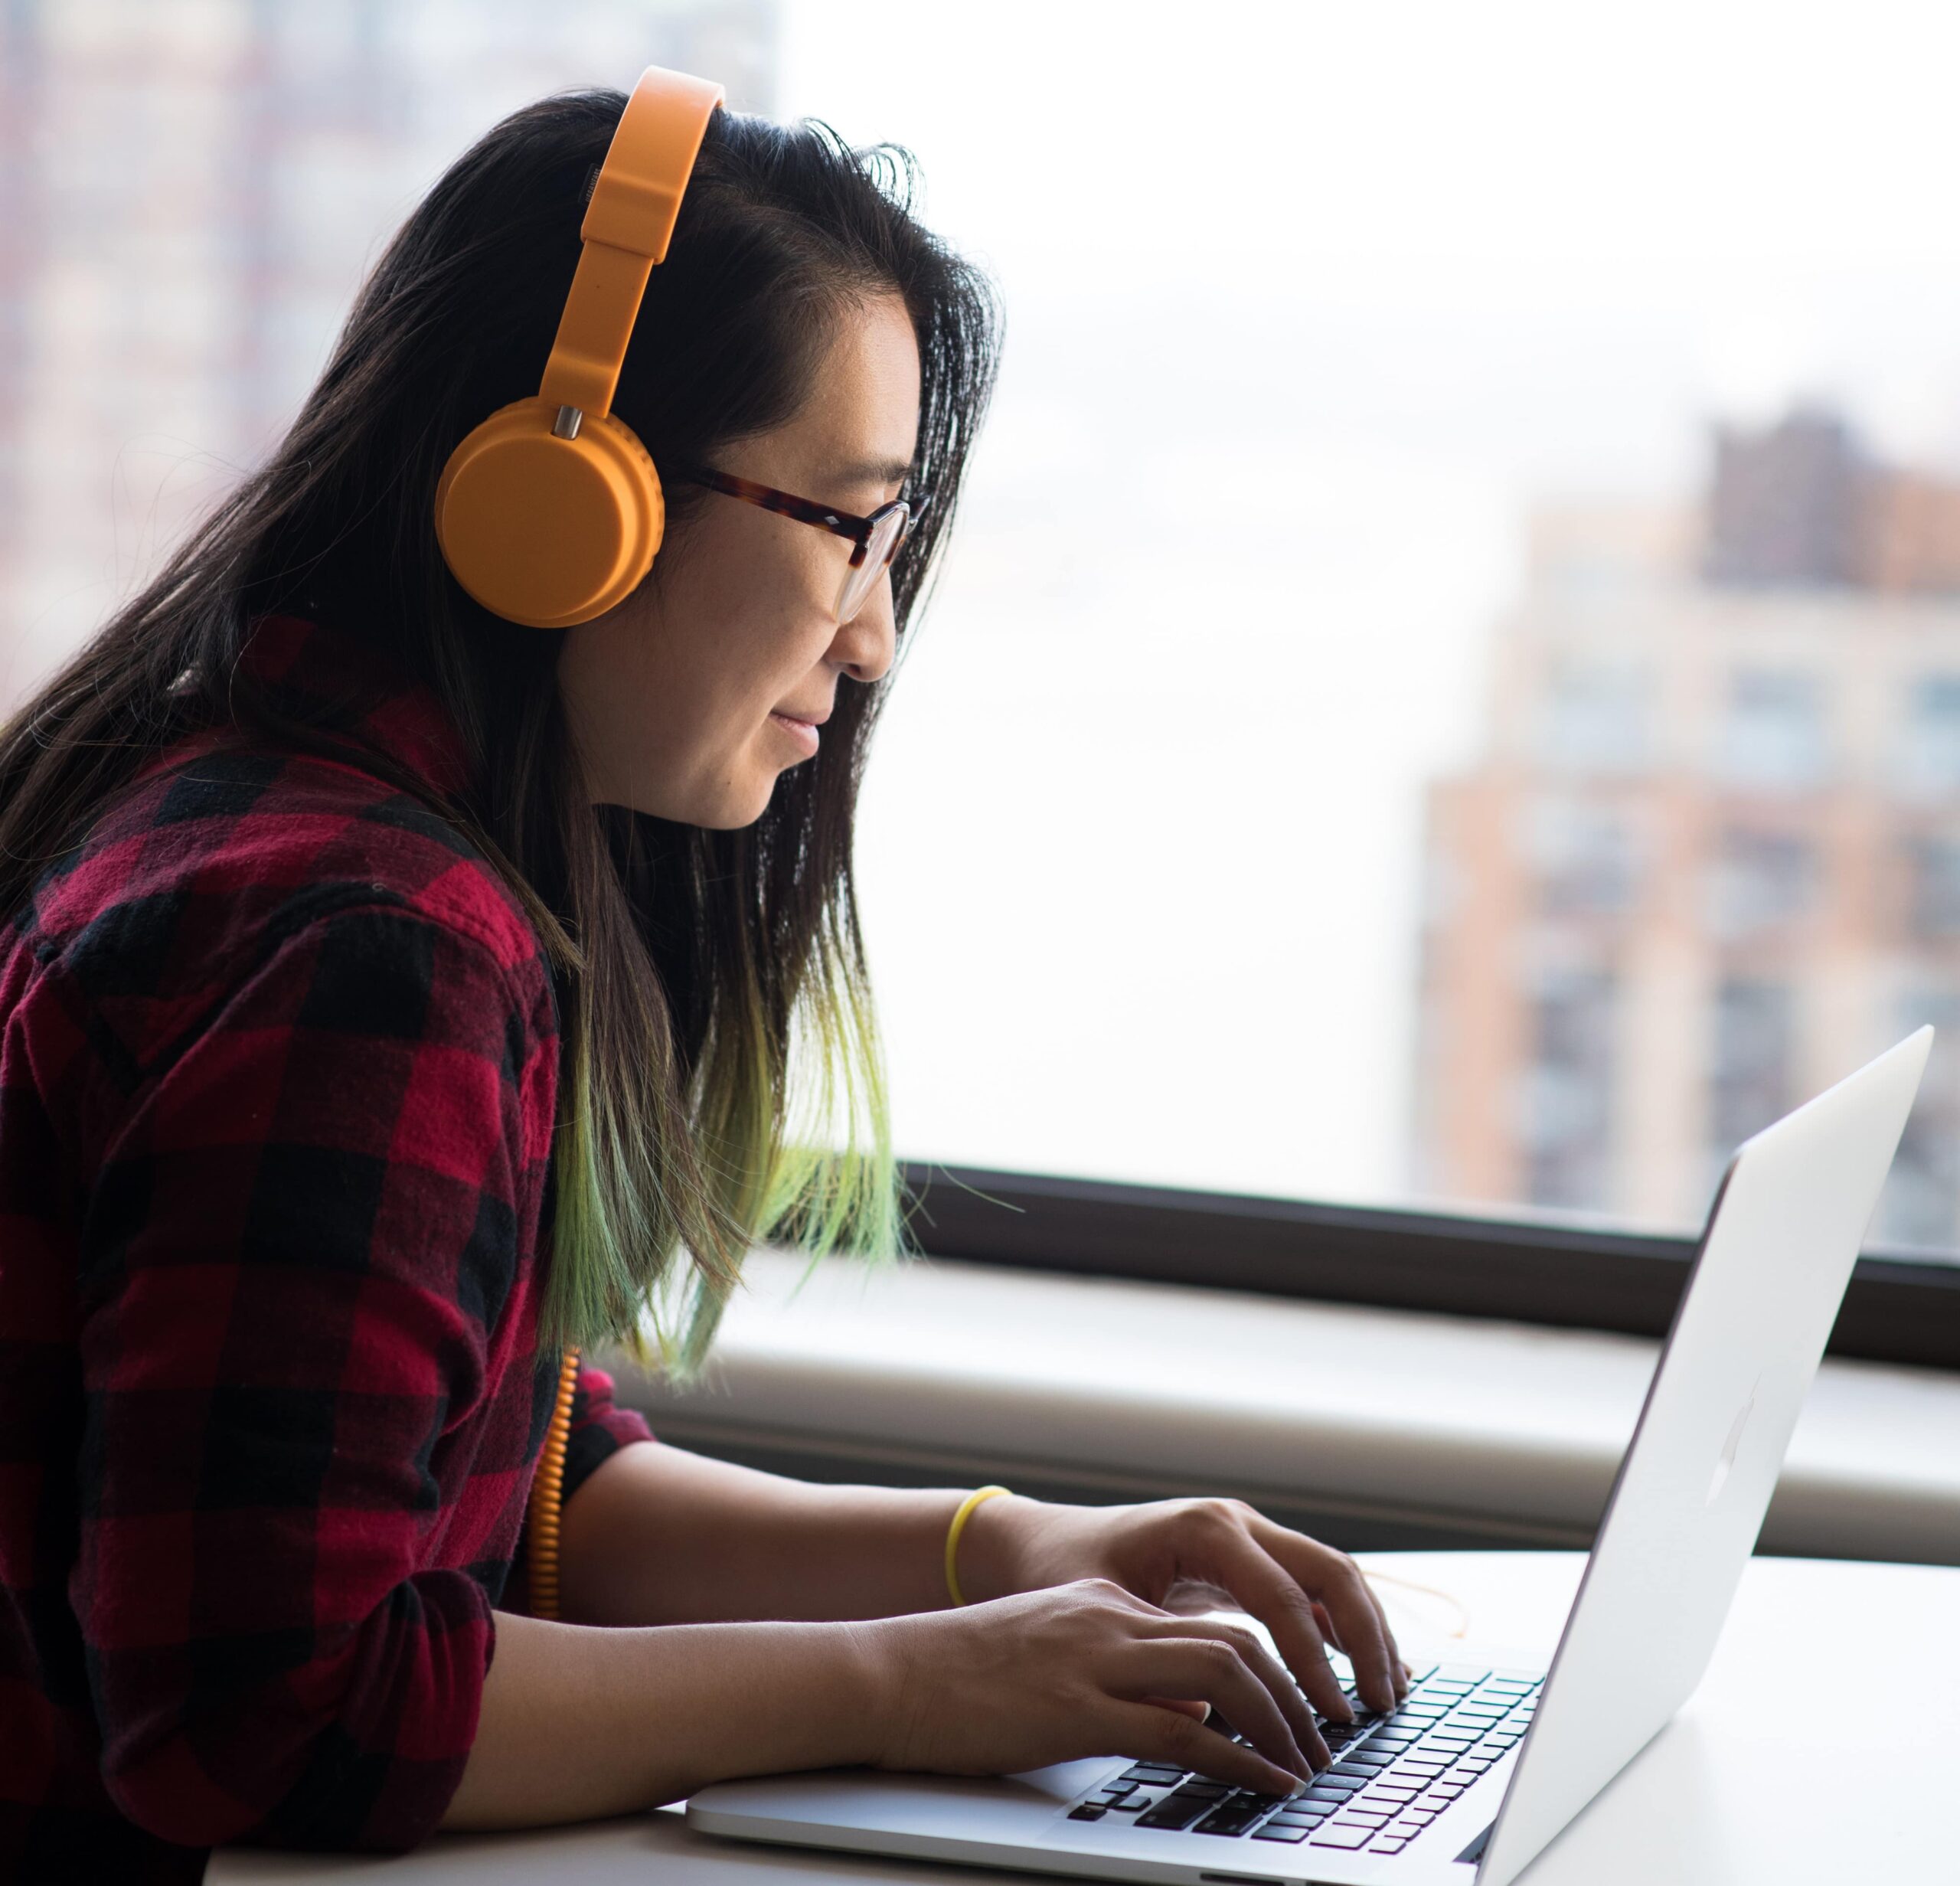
x=1292 y=1834
x=1154 y=1774
x=1368 y=1758
x=1353 y=1768
x=1176 y=1810
x=1333 y=1785
x=1392 y=1845
x=1231 y=1817
x=1449 y=1790
x=1514 y=1684
x=1334 y=1834
x=1088 y=1811
x=1114 y=1790
x=1134 y=1805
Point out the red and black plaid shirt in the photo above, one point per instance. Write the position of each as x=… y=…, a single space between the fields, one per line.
x=278 y=1065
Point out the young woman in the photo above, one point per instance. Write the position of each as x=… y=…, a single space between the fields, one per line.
x=391 y=994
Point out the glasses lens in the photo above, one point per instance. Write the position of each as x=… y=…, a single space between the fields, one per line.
x=888 y=531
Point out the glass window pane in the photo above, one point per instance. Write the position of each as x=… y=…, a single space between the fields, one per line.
x=1447 y=685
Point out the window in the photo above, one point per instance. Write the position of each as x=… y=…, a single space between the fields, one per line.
x=1930 y=750
x=1396 y=563
x=1755 y=1047
x=1593 y=717
x=1568 y=1090
x=1760 y=883
x=1936 y=889
x=1585 y=857
x=1923 y=1196
x=1772 y=735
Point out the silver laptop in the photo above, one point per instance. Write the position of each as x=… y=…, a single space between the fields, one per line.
x=1483 y=1765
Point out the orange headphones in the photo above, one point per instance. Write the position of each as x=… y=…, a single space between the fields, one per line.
x=549 y=513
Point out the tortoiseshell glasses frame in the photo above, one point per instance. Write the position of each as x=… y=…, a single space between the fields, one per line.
x=875 y=540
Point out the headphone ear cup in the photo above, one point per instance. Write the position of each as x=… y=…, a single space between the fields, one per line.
x=548 y=531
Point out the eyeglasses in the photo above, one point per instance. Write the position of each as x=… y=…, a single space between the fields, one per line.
x=875 y=540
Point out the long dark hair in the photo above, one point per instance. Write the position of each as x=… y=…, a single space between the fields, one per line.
x=686 y=960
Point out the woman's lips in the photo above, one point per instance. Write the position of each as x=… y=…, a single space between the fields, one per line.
x=803 y=732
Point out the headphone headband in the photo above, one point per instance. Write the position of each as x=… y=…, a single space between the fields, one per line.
x=627 y=228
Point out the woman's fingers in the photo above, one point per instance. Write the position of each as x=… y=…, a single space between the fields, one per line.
x=1284 y=1692
x=1334 y=1581
x=1146 y=1733
x=1213 y=1669
x=1266 y=1589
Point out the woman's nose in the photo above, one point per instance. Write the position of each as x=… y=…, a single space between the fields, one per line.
x=866 y=644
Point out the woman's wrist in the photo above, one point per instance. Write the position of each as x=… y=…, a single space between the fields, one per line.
x=988 y=1553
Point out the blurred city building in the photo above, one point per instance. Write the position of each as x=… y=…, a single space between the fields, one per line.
x=1709 y=857
x=189 y=196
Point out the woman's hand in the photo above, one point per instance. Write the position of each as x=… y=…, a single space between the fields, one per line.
x=1085 y=1668
x=1197 y=1555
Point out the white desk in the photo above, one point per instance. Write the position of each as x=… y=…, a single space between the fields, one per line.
x=1735 y=1790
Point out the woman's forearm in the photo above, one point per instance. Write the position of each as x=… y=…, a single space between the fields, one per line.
x=578 y=1723
x=658 y=1534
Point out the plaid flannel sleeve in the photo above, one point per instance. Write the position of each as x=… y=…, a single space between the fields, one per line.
x=600 y=1427
x=300 y=1238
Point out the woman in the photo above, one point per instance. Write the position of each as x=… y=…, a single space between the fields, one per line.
x=391 y=994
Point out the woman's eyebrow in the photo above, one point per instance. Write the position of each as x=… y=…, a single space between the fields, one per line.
x=876 y=471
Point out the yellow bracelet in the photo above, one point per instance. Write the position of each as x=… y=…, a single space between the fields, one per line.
x=959 y=1519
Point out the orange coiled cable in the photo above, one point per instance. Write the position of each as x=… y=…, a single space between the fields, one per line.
x=547 y=1495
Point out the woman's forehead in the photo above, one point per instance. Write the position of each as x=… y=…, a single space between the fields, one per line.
x=862 y=416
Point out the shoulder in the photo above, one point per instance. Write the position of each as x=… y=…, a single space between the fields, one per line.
x=228 y=857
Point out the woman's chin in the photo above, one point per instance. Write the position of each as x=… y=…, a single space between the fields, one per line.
x=732 y=809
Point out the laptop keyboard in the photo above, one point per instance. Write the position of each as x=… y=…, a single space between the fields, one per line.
x=1393 y=1773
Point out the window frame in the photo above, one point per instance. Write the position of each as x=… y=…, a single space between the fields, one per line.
x=1897 y=1309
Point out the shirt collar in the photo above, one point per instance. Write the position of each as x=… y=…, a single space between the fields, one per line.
x=316 y=673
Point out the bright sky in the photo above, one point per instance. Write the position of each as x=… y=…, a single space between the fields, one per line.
x=1307 y=305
